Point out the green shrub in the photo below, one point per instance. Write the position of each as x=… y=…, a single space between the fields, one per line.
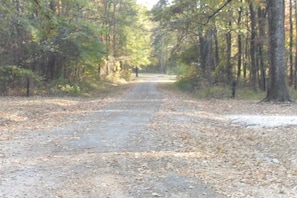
x=126 y=74
x=63 y=86
x=184 y=84
x=190 y=81
x=218 y=92
x=249 y=94
x=14 y=79
x=70 y=89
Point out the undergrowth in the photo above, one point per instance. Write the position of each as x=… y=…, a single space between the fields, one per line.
x=220 y=92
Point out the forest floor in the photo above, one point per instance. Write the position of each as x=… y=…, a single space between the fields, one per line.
x=147 y=141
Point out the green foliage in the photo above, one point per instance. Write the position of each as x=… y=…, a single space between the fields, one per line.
x=137 y=43
x=13 y=77
x=224 y=92
x=70 y=89
x=11 y=74
x=217 y=92
x=190 y=81
x=126 y=74
x=293 y=93
x=248 y=94
x=62 y=86
x=184 y=84
x=190 y=54
x=79 y=41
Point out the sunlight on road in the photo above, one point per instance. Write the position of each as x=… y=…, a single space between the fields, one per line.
x=264 y=121
x=149 y=77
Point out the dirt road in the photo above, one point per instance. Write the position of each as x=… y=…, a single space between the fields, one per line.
x=109 y=152
x=148 y=141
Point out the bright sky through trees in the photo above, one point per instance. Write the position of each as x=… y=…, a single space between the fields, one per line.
x=148 y=3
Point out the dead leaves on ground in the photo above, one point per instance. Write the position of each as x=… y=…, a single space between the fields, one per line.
x=196 y=138
x=17 y=114
x=238 y=161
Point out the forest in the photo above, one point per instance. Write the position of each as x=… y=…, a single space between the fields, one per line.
x=212 y=113
x=69 y=46
x=62 y=46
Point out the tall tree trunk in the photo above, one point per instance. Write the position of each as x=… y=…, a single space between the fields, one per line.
x=229 y=64
x=277 y=90
x=51 y=65
x=295 y=71
x=239 y=46
x=210 y=59
x=217 y=52
x=246 y=55
x=261 y=22
x=253 y=46
x=229 y=50
x=114 y=31
x=291 y=69
x=203 y=52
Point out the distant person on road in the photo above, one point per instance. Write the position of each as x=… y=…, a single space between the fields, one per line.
x=136 y=71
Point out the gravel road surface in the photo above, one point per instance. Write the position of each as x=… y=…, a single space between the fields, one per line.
x=113 y=151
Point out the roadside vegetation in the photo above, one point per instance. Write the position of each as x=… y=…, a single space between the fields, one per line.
x=74 y=48
x=243 y=92
x=70 y=48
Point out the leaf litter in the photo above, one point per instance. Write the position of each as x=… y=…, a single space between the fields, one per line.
x=240 y=161
x=194 y=138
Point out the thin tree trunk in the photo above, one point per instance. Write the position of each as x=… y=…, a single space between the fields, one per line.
x=239 y=47
x=28 y=87
x=228 y=64
x=295 y=71
x=202 y=52
x=209 y=59
x=217 y=54
x=229 y=50
x=253 y=47
x=246 y=55
x=291 y=68
x=261 y=21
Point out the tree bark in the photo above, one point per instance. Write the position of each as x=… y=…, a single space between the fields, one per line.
x=229 y=50
x=262 y=35
x=239 y=45
x=277 y=90
x=209 y=56
x=228 y=54
x=295 y=66
x=253 y=74
x=203 y=52
x=291 y=75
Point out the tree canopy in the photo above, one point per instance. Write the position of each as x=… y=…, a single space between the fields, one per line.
x=73 y=45
x=228 y=40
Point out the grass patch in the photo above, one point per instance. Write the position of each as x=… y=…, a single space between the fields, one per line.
x=224 y=92
x=249 y=94
x=199 y=88
x=218 y=92
x=293 y=93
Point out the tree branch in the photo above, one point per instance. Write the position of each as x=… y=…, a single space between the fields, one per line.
x=217 y=11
